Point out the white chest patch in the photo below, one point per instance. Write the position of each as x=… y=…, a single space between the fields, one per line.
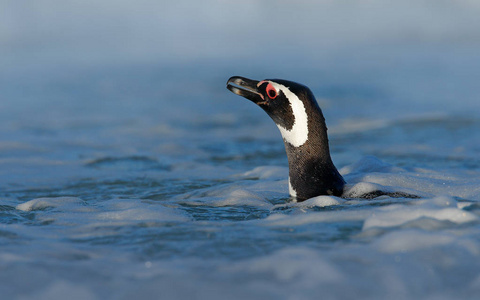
x=291 y=191
x=298 y=134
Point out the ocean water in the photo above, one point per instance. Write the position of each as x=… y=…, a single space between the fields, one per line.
x=128 y=170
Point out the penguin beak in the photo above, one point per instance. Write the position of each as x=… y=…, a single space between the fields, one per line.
x=246 y=88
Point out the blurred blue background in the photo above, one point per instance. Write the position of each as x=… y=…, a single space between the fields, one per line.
x=422 y=53
x=372 y=42
x=83 y=79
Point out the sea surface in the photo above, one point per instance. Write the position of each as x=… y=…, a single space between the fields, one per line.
x=128 y=170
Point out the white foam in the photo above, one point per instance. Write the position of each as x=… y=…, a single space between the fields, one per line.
x=321 y=201
x=236 y=194
x=242 y=192
x=71 y=211
x=301 y=265
x=412 y=240
x=242 y=197
x=134 y=210
x=42 y=203
x=369 y=174
x=362 y=189
x=440 y=208
x=305 y=217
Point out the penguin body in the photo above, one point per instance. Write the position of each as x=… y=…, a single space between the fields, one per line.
x=293 y=108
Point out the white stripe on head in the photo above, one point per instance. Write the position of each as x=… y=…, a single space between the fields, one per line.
x=298 y=134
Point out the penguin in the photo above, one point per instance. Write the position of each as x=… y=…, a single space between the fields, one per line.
x=293 y=108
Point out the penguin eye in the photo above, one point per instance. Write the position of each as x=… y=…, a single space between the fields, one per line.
x=271 y=91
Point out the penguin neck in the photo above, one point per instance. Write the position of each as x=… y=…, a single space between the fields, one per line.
x=311 y=170
x=316 y=147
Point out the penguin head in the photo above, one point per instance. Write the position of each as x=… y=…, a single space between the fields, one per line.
x=286 y=102
x=296 y=113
